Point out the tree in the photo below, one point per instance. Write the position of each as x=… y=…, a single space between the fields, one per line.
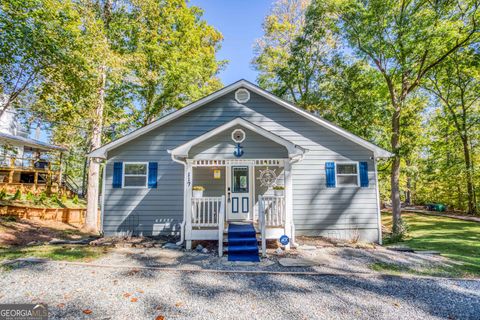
x=405 y=41
x=174 y=53
x=456 y=84
x=281 y=28
x=34 y=35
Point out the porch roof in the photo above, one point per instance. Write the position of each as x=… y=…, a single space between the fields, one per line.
x=293 y=149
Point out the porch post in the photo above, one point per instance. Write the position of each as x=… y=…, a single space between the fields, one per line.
x=288 y=202
x=188 y=205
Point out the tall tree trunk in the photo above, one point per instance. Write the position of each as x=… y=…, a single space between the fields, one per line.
x=395 y=174
x=408 y=192
x=468 y=166
x=94 y=165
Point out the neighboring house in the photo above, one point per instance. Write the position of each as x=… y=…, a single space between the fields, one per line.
x=26 y=164
x=240 y=143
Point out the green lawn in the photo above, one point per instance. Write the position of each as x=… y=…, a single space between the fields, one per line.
x=456 y=239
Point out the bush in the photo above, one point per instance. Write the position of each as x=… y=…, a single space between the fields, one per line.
x=17 y=195
x=64 y=198
x=399 y=236
x=3 y=194
x=42 y=198
x=75 y=199
x=30 y=196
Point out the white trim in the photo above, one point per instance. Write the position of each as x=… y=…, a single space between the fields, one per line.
x=242 y=100
x=347 y=174
x=379 y=212
x=135 y=175
x=293 y=150
x=102 y=202
x=244 y=135
x=102 y=151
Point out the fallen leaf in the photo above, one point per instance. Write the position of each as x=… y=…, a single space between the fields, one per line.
x=178 y=304
x=134 y=300
x=159 y=308
x=126 y=294
x=396 y=304
x=87 y=311
x=160 y=318
x=140 y=291
x=61 y=305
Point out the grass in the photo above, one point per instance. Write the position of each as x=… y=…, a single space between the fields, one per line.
x=54 y=252
x=456 y=239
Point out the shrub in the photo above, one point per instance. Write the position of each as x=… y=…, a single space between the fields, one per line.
x=3 y=194
x=42 y=198
x=75 y=199
x=64 y=198
x=30 y=196
x=17 y=195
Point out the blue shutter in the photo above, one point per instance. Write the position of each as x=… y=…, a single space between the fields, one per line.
x=152 y=174
x=117 y=174
x=330 y=174
x=363 y=174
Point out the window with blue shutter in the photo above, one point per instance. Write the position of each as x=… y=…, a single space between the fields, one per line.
x=363 y=174
x=117 y=174
x=330 y=174
x=152 y=174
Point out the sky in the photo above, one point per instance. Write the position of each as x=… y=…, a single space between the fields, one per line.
x=240 y=22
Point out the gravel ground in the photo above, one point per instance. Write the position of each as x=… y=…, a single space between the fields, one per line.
x=115 y=293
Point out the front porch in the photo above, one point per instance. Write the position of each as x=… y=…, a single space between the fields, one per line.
x=238 y=191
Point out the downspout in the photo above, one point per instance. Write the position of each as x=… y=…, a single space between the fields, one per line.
x=182 y=225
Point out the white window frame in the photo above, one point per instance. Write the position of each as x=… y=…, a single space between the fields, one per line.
x=134 y=175
x=356 y=163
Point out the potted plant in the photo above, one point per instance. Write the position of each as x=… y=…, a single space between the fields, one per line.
x=198 y=191
x=278 y=190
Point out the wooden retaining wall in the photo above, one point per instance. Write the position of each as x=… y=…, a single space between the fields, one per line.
x=65 y=215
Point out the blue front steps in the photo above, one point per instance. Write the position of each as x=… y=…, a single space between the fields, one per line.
x=242 y=243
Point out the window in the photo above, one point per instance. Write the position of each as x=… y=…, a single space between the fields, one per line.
x=135 y=174
x=347 y=174
x=240 y=179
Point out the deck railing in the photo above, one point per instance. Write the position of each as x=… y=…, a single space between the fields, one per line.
x=206 y=211
x=271 y=213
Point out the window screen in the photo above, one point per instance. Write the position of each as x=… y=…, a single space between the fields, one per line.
x=347 y=174
x=135 y=175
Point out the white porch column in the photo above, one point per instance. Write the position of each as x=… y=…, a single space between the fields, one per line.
x=188 y=204
x=288 y=202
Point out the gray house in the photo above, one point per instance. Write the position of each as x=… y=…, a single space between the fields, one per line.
x=260 y=161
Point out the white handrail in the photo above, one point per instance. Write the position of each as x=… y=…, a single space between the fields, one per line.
x=221 y=222
x=206 y=211
x=261 y=219
x=274 y=210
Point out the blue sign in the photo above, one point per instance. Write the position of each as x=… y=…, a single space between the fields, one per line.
x=284 y=240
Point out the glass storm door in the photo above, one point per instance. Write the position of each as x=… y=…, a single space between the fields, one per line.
x=238 y=193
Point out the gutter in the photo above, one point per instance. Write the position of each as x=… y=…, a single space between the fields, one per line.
x=182 y=225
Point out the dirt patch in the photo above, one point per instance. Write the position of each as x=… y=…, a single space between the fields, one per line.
x=21 y=232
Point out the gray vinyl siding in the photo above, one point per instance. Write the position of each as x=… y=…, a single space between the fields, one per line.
x=221 y=146
x=317 y=210
x=203 y=176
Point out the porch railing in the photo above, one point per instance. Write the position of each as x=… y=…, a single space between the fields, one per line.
x=206 y=211
x=271 y=213
x=210 y=212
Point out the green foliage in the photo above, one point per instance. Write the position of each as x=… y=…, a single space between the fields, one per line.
x=17 y=195
x=30 y=196
x=42 y=198
x=75 y=199
x=3 y=194
x=64 y=198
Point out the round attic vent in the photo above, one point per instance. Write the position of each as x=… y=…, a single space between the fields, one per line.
x=242 y=95
x=238 y=135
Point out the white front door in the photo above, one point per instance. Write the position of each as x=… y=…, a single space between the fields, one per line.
x=239 y=204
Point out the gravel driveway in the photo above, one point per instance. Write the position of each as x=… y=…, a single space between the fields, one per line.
x=116 y=293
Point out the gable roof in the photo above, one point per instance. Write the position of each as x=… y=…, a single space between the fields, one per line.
x=293 y=149
x=102 y=151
